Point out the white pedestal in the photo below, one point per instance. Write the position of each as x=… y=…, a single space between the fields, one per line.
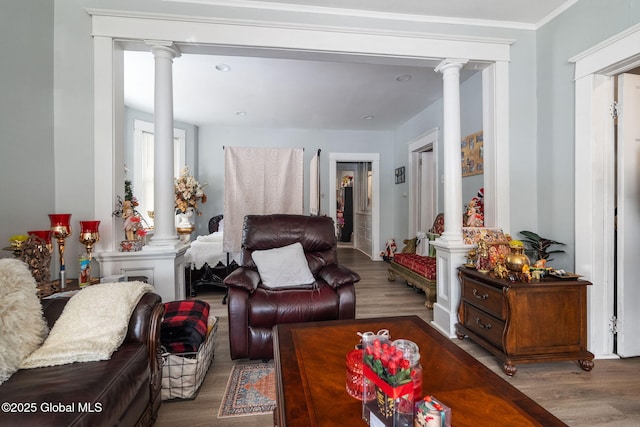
x=449 y=256
x=163 y=266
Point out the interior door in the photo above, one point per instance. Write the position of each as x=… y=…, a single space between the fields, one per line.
x=628 y=216
x=426 y=191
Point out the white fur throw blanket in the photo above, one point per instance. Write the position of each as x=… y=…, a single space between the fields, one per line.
x=22 y=325
x=92 y=325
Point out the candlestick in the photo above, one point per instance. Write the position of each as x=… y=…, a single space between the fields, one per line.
x=61 y=229
x=88 y=236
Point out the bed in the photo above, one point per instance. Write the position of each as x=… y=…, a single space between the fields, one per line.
x=207 y=263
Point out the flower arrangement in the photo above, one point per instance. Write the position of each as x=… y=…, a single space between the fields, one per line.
x=394 y=376
x=188 y=191
x=388 y=363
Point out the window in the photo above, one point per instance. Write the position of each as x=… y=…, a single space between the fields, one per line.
x=143 y=172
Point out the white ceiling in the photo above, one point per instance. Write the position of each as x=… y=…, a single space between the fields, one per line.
x=316 y=92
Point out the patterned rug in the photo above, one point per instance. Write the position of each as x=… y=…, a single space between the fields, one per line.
x=251 y=390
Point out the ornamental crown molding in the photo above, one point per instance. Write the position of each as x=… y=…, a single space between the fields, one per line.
x=150 y=16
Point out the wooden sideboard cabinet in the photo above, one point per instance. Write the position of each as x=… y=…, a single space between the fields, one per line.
x=541 y=321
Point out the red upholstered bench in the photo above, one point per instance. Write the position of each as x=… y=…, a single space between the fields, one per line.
x=423 y=265
x=418 y=271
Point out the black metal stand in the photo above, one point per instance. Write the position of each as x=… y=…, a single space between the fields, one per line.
x=213 y=276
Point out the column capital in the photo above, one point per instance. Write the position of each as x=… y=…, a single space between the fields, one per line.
x=451 y=63
x=163 y=47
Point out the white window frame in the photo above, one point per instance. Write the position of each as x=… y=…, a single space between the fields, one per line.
x=143 y=164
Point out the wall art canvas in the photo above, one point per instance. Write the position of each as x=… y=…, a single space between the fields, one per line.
x=472 y=148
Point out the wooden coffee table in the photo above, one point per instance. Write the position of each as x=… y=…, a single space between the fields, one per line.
x=310 y=361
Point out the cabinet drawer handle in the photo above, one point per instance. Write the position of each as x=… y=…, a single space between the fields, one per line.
x=477 y=295
x=482 y=325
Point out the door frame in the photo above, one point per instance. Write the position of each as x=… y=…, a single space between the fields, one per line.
x=627 y=225
x=374 y=159
x=426 y=141
x=594 y=170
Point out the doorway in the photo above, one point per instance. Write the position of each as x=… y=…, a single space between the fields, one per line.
x=344 y=212
x=626 y=294
x=423 y=188
x=366 y=202
x=354 y=201
x=595 y=162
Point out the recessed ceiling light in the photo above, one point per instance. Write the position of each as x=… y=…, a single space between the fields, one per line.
x=367 y=117
x=403 y=78
x=241 y=113
x=222 y=67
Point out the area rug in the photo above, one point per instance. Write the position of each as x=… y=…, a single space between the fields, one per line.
x=251 y=390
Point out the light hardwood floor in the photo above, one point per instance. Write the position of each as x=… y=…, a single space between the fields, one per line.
x=609 y=395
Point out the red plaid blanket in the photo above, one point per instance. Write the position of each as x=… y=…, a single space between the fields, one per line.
x=184 y=326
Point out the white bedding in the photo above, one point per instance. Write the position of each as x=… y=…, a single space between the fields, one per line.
x=208 y=249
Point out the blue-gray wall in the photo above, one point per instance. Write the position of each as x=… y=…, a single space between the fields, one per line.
x=27 y=157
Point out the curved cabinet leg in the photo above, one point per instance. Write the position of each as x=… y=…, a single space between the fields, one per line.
x=459 y=335
x=430 y=297
x=586 y=365
x=509 y=369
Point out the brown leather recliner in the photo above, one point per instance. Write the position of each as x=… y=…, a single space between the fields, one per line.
x=254 y=309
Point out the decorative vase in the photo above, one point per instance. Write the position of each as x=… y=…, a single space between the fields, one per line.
x=184 y=227
x=516 y=260
x=184 y=218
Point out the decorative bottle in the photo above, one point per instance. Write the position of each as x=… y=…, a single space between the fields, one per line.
x=84 y=273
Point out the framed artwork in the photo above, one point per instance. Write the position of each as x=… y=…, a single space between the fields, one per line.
x=400 y=175
x=471 y=148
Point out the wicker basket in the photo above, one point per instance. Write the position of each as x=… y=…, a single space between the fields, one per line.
x=183 y=373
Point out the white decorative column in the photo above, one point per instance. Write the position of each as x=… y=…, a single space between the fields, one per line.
x=162 y=260
x=164 y=233
x=450 y=249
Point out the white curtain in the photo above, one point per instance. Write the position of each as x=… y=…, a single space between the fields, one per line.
x=259 y=181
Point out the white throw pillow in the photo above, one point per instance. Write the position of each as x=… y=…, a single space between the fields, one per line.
x=283 y=267
x=22 y=325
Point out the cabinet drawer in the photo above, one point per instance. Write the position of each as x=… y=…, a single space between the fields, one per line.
x=484 y=325
x=483 y=296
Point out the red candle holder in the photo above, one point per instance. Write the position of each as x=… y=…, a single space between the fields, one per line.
x=61 y=229
x=89 y=234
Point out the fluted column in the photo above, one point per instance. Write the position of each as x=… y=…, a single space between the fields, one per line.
x=450 y=69
x=164 y=206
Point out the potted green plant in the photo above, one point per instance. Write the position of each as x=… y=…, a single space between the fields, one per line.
x=538 y=246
